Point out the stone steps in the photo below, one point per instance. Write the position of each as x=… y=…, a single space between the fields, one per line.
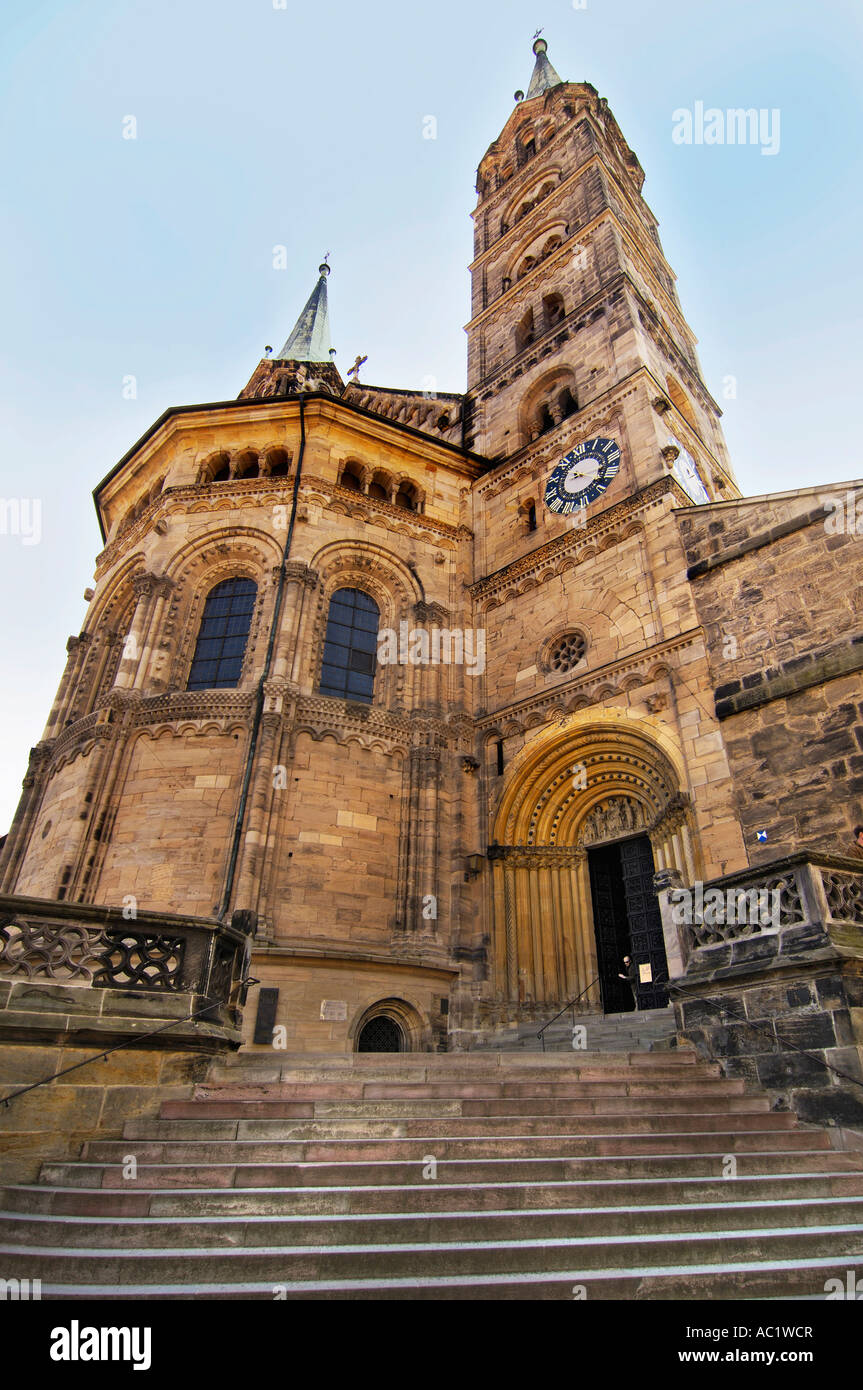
x=194 y=1170
x=464 y=1256
x=511 y=1096
x=486 y=1067
x=316 y=1180
x=424 y=1228
x=472 y=1195
x=771 y=1279
x=643 y=1031
x=250 y=1122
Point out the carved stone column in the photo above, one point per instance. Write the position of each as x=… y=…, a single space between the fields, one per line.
x=511 y=938
x=77 y=647
x=25 y=818
x=250 y=869
x=163 y=587
x=144 y=586
x=418 y=858
x=301 y=583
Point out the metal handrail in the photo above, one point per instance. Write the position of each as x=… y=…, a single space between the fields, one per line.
x=136 y=1038
x=570 y=1005
x=786 y=1042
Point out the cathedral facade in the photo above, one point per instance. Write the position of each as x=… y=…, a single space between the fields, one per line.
x=433 y=696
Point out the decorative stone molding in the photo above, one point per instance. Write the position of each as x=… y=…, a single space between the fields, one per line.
x=572 y=547
x=298 y=572
x=612 y=820
x=536 y=856
x=430 y=613
x=580 y=692
x=844 y=894
x=143 y=585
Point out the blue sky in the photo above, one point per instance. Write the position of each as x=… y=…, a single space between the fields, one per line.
x=302 y=126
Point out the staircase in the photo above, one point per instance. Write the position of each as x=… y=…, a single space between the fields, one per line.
x=631 y=1032
x=463 y=1176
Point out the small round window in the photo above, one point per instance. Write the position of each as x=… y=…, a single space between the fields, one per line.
x=566 y=652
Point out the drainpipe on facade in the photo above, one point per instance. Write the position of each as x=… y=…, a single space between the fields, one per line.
x=222 y=910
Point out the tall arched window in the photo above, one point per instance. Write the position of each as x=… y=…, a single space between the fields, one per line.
x=348 y=670
x=218 y=659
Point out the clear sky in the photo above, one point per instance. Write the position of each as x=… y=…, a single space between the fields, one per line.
x=266 y=122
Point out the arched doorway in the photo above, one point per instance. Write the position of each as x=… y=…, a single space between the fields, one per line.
x=381 y=1034
x=627 y=922
x=592 y=807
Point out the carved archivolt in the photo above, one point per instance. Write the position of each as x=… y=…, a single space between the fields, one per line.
x=580 y=693
x=561 y=785
x=221 y=555
x=387 y=580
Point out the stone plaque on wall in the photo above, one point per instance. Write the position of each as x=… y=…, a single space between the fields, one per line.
x=334 y=1010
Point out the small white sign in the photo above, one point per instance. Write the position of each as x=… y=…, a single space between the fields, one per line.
x=645 y=974
x=334 y=1010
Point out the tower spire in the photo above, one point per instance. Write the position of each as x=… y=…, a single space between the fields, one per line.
x=544 y=76
x=309 y=340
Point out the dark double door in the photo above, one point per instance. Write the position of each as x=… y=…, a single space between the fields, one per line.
x=627 y=922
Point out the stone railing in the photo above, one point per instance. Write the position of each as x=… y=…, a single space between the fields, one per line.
x=97 y=967
x=799 y=891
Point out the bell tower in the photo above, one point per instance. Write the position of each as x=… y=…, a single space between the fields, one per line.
x=576 y=327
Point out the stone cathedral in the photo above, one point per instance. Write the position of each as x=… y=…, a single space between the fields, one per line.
x=430 y=701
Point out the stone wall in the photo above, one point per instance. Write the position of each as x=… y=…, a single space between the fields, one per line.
x=781 y=599
x=781 y=1004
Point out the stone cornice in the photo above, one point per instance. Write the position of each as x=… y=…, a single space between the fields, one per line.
x=574 y=541
x=432 y=962
x=371 y=506
x=568 y=689
x=244 y=493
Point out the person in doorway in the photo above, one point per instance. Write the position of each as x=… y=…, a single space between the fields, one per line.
x=631 y=977
x=858 y=840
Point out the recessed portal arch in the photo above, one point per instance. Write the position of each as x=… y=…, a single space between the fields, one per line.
x=597 y=778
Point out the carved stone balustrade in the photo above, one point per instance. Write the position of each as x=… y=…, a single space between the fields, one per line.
x=76 y=972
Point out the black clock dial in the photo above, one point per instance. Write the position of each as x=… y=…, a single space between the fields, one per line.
x=582 y=475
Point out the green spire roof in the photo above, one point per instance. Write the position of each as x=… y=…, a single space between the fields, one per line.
x=544 y=76
x=310 y=339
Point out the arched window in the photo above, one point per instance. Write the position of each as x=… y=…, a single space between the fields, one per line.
x=278 y=463
x=406 y=497
x=567 y=403
x=531 y=516
x=553 y=309
x=379 y=487
x=217 y=469
x=348 y=669
x=545 y=419
x=247 y=465
x=351 y=479
x=524 y=331
x=218 y=659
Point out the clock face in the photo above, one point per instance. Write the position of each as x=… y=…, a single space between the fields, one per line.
x=686 y=472
x=582 y=475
